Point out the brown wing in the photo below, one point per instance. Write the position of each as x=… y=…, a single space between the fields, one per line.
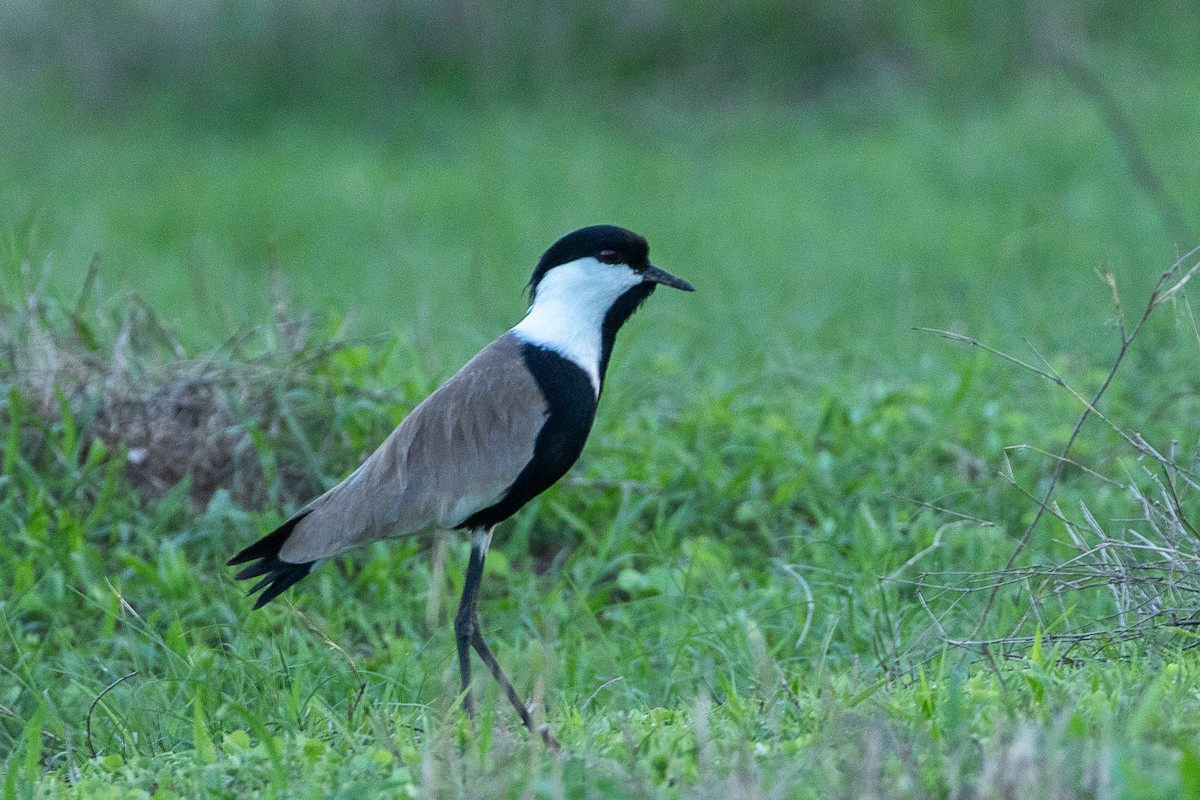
x=455 y=454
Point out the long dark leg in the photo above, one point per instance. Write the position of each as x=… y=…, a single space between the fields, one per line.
x=485 y=653
x=468 y=633
x=466 y=620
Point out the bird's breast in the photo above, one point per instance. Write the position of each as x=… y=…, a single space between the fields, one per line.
x=570 y=408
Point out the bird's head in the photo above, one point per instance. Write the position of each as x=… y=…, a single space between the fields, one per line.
x=593 y=267
x=584 y=289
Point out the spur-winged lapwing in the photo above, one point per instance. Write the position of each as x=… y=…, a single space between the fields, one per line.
x=498 y=433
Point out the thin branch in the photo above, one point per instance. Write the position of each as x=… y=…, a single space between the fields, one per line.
x=1187 y=307
x=937 y=543
x=600 y=688
x=1071 y=461
x=1179 y=284
x=1157 y=297
x=362 y=687
x=1110 y=279
x=971 y=340
x=790 y=570
x=1055 y=476
x=983 y=523
x=88 y=721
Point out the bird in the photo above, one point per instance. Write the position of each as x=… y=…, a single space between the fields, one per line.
x=496 y=434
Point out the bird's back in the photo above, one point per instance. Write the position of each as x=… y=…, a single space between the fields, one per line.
x=455 y=454
x=503 y=429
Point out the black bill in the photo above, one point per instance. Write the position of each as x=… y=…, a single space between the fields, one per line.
x=656 y=275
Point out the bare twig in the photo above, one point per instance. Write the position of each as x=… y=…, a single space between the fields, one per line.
x=599 y=689
x=983 y=523
x=325 y=638
x=92 y=707
x=808 y=596
x=362 y=687
x=1163 y=290
x=1110 y=279
x=934 y=545
x=971 y=340
x=1170 y=292
x=1071 y=461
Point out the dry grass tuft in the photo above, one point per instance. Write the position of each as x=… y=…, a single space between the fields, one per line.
x=1146 y=560
x=250 y=418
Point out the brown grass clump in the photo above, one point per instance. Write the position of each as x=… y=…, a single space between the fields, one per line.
x=251 y=417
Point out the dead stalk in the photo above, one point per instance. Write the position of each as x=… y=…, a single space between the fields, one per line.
x=1169 y=284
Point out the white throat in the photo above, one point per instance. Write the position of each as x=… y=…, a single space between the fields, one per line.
x=569 y=308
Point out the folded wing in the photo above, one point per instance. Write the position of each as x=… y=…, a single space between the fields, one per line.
x=458 y=452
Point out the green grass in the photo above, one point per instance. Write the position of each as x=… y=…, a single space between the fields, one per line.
x=847 y=222
x=762 y=439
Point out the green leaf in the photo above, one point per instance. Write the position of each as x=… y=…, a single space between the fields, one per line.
x=1189 y=772
x=206 y=751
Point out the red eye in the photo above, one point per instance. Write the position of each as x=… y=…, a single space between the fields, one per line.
x=608 y=257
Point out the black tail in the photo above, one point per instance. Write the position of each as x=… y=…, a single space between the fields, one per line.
x=279 y=574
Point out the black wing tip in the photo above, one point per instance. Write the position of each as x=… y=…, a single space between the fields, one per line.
x=277 y=577
x=267 y=547
x=280 y=574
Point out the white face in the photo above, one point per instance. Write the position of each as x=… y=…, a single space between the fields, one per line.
x=569 y=308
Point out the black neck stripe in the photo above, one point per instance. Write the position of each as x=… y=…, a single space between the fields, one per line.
x=570 y=410
x=617 y=316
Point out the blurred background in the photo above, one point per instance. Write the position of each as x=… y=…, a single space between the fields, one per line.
x=840 y=171
x=236 y=59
